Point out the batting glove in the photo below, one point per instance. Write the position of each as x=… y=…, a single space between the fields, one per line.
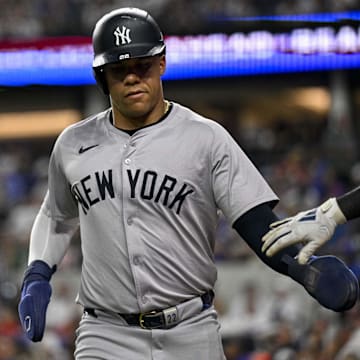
x=312 y=228
x=327 y=279
x=35 y=296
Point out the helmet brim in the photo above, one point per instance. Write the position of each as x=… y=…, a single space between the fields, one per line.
x=127 y=52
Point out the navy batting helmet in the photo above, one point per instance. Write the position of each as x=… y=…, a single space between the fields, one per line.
x=121 y=34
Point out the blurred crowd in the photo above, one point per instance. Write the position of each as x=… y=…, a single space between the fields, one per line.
x=76 y=17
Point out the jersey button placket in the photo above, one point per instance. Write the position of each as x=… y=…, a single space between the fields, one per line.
x=127 y=162
x=130 y=206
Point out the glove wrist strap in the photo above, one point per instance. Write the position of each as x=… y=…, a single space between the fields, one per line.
x=39 y=270
x=332 y=210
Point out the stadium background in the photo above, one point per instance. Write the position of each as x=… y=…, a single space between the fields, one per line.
x=300 y=128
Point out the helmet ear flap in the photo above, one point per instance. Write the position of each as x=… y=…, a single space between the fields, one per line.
x=99 y=76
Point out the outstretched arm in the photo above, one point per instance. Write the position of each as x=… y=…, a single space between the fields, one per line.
x=326 y=278
x=349 y=203
x=252 y=226
x=312 y=227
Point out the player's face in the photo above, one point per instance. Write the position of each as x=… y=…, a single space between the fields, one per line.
x=135 y=87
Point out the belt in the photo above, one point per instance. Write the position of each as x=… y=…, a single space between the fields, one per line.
x=159 y=319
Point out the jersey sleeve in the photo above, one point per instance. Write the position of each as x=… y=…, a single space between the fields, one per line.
x=238 y=186
x=62 y=204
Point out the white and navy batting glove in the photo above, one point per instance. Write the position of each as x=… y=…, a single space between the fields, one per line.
x=312 y=228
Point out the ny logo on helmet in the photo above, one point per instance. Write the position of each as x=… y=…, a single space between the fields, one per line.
x=122 y=35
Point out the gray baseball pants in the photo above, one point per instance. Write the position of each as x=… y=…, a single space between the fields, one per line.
x=109 y=337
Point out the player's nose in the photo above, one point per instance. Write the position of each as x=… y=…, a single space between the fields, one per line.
x=131 y=77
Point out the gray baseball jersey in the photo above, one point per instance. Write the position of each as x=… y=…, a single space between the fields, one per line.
x=148 y=205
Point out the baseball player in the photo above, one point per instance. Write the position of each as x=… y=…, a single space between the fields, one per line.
x=144 y=180
x=312 y=227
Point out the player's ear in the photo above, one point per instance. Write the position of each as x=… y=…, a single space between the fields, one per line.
x=162 y=64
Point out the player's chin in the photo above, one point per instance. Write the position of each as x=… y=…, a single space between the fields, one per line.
x=136 y=110
x=137 y=106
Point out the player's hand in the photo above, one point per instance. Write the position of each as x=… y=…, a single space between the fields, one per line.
x=35 y=297
x=312 y=228
x=327 y=279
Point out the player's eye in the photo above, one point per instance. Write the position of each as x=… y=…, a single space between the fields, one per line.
x=142 y=67
x=118 y=71
x=139 y=68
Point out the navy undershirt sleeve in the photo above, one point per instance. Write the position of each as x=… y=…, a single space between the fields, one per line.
x=252 y=226
x=349 y=204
